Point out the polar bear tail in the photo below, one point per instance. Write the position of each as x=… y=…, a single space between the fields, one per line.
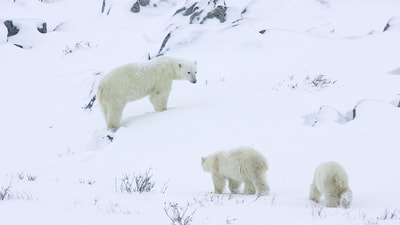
x=340 y=183
x=99 y=95
x=100 y=99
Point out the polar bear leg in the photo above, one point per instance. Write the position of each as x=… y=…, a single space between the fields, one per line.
x=261 y=185
x=249 y=188
x=332 y=200
x=219 y=183
x=233 y=186
x=159 y=99
x=346 y=198
x=114 y=115
x=314 y=193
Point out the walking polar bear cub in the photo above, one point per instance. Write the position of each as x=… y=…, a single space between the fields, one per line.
x=134 y=81
x=330 y=180
x=243 y=164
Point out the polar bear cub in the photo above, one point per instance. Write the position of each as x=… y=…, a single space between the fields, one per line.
x=134 y=81
x=330 y=180
x=243 y=164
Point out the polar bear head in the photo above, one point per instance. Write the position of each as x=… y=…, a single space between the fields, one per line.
x=185 y=70
x=182 y=69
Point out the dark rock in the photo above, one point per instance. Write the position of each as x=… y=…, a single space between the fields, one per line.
x=180 y=10
x=393 y=22
x=90 y=104
x=191 y=9
x=110 y=138
x=387 y=26
x=19 y=46
x=11 y=28
x=219 y=12
x=135 y=8
x=164 y=43
x=195 y=15
x=144 y=2
x=42 y=28
x=103 y=6
x=262 y=31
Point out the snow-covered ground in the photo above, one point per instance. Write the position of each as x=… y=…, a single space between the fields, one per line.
x=283 y=76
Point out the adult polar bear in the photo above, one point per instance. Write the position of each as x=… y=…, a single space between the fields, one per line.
x=331 y=180
x=134 y=81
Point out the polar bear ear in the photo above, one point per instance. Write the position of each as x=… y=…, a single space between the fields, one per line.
x=195 y=63
x=203 y=159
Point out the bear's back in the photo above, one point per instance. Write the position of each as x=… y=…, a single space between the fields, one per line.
x=330 y=174
x=242 y=160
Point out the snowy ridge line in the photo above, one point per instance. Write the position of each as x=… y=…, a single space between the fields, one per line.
x=330 y=114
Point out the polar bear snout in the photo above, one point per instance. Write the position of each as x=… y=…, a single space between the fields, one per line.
x=192 y=77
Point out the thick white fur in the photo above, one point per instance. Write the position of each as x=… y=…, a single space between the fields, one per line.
x=330 y=180
x=243 y=164
x=134 y=81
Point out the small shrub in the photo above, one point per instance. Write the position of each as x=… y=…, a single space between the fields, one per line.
x=320 y=81
x=8 y=193
x=21 y=176
x=116 y=208
x=178 y=215
x=230 y=220
x=90 y=104
x=164 y=187
x=137 y=183
x=390 y=215
x=96 y=200
x=371 y=222
x=317 y=210
x=308 y=83
x=29 y=177
x=5 y=193
x=78 y=46
x=87 y=181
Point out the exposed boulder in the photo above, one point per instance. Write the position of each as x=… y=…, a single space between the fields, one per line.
x=198 y=12
x=42 y=28
x=393 y=22
x=136 y=7
x=141 y=3
x=11 y=28
x=144 y=2
x=201 y=11
x=23 y=33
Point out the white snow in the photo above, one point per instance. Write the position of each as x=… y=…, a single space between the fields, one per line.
x=253 y=89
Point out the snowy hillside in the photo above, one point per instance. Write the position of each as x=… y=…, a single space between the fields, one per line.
x=302 y=81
